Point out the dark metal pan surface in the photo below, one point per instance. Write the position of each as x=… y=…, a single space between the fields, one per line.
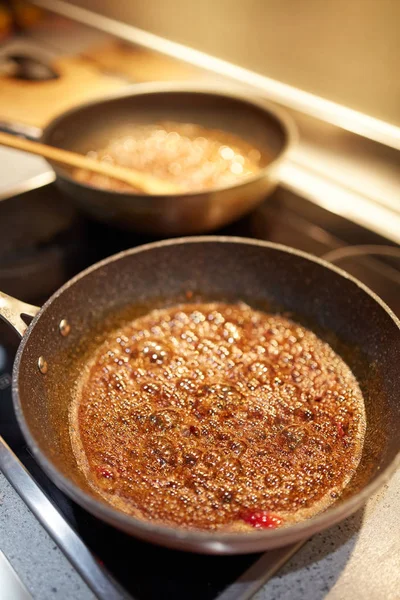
x=357 y=324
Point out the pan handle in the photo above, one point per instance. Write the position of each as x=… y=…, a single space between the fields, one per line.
x=11 y=311
x=30 y=132
x=342 y=253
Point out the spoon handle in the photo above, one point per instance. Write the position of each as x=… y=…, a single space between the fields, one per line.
x=143 y=181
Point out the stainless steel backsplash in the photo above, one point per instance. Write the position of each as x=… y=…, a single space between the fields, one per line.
x=347 y=51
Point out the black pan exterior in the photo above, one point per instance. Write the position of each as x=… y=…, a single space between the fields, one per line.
x=91 y=126
x=354 y=321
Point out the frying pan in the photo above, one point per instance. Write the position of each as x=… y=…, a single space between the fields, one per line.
x=340 y=309
x=92 y=125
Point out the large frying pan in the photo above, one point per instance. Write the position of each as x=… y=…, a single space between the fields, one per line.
x=354 y=320
x=92 y=125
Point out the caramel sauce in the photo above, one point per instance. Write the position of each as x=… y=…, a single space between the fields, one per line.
x=193 y=157
x=217 y=416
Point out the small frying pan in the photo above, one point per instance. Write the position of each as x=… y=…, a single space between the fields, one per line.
x=355 y=321
x=91 y=126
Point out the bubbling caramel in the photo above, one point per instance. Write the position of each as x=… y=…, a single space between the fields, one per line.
x=194 y=158
x=217 y=417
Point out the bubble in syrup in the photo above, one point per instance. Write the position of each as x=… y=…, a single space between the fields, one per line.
x=164 y=420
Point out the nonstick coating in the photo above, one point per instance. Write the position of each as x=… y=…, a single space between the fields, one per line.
x=340 y=309
x=93 y=125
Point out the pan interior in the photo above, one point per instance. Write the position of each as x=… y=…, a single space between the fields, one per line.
x=92 y=127
x=338 y=310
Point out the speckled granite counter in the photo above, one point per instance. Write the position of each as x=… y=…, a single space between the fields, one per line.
x=33 y=554
x=358 y=559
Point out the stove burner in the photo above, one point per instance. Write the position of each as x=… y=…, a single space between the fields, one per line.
x=42 y=243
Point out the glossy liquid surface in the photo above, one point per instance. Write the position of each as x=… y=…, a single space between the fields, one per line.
x=189 y=155
x=217 y=416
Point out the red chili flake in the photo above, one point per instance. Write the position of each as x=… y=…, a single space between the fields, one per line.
x=261 y=519
x=340 y=430
x=189 y=294
x=106 y=473
x=194 y=430
x=346 y=442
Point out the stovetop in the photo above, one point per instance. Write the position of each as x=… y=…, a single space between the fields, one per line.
x=61 y=243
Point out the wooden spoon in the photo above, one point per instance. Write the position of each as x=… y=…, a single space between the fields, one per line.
x=143 y=181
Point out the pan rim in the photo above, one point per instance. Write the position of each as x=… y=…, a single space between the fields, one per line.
x=199 y=541
x=235 y=92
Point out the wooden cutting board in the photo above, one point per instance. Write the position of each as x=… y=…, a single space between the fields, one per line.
x=36 y=103
x=98 y=72
x=138 y=64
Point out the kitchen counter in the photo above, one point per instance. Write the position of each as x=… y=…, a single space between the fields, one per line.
x=357 y=559
x=35 y=557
